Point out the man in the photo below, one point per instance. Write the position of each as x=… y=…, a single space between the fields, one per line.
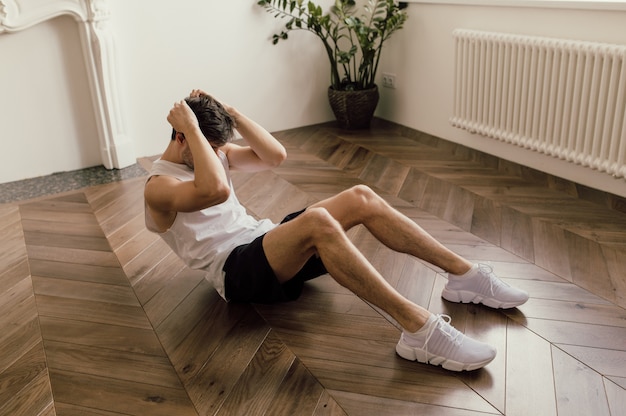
x=191 y=204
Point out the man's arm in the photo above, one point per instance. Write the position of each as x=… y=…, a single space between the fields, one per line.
x=166 y=196
x=262 y=152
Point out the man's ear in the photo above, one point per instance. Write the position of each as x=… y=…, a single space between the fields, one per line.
x=180 y=138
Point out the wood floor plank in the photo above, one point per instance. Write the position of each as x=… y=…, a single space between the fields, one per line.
x=57 y=205
x=489 y=326
x=78 y=228
x=145 y=260
x=18 y=314
x=192 y=352
x=416 y=282
x=13 y=248
x=171 y=294
x=574 y=311
x=17 y=339
x=557 y=291
x=322 y=322
x=97 y=242
x=197 y=307
x=620 y=381
x=307 y=345
x=615 y=258
x=605 y=361
x=92 y=311
x=550 y=242
x=421 y=385
x=32 y=399
x=215 y=381
x=122 y=365
x=22 y=372
x=74 y=256
x=101 y=196
x=65 y=409
x=616 y=397
x=572 y=333
x=135 y=246
x=122 y=209
x=316 y=295
x=328 y=406
x=12 y=297
x=129 y=398
x=120 y=338
x=525 y=271
x=364 y=405
x=485 y=253
x=528 y=356
x=13 y=274
x=95 y=274
x=59 y=217
x=88 y=291
x=260 y=382
x=579 y=390
x=587 y=262
x=127 y=232
x=385 y=173
x=299 y=394
x=153 y=281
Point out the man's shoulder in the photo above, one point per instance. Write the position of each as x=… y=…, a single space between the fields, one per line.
x=170 y=169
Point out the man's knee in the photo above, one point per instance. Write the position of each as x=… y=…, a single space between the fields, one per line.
x=321 y=223
x=365 y=198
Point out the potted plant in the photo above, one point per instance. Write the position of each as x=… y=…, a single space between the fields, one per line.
x=353 y=45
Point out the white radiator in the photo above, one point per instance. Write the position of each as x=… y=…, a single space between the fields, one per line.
x=559 y=97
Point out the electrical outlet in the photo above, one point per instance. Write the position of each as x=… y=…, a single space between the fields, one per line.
x=389 y=80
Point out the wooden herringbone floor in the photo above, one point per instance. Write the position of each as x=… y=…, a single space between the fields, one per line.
x=98 y=317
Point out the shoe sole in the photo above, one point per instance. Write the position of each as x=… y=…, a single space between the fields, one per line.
x=461 y=296
x=413 y=354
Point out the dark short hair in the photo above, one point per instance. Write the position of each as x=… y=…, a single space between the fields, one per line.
x=216 y=124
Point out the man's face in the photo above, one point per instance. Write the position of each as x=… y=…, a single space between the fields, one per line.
x=188 y=157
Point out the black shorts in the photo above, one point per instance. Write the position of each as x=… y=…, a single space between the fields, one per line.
x=249 y=277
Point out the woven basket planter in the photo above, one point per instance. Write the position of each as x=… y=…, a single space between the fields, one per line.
x=353 y=109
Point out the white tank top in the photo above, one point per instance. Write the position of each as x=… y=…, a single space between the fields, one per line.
x=204 y=239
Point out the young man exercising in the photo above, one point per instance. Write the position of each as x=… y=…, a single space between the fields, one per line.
x=190 y=202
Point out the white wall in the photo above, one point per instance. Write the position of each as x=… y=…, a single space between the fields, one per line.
x=422 y=57
x=223 y=48
x=164 y=49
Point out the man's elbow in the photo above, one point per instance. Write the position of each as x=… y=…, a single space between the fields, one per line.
x=278 y=158
x=218 y=194
x=222 y=193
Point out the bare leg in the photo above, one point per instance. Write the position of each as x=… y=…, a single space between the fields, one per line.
x=360 y=205
x=290 y=245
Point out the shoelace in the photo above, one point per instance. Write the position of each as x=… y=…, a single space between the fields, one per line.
x=493 y=280
x=442 y=322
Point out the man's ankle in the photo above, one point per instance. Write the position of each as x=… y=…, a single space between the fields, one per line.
x=464 y=274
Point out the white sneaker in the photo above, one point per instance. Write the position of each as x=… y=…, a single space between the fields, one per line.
x=444 y=345
x=482 y=286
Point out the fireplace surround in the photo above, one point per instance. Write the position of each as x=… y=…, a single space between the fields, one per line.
x=98 y=47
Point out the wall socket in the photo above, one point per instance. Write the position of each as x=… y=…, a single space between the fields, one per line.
x=389 y=80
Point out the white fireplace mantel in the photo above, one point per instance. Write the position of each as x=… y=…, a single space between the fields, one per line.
x=98 y=45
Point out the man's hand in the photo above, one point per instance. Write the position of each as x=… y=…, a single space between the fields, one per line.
x=230 y=110
x=182 y=118
x=197 y=93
